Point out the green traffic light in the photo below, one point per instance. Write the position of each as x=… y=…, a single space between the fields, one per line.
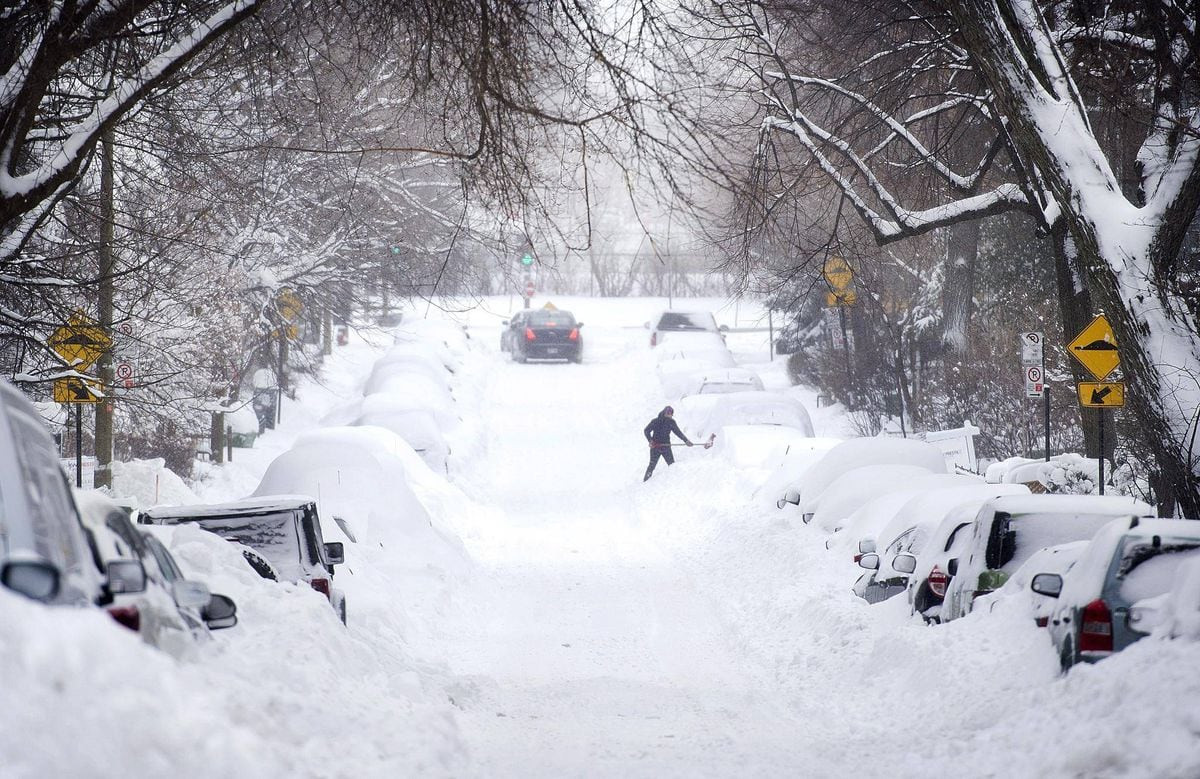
x=395 y=249
x=527 y=259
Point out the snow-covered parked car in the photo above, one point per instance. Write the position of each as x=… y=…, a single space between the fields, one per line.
x=855 y=488
x=674 y=322
x=448 y=340
x=804 y=489
x=285 y=529
x=724 y=380
x=906 y=537
x=405 y=387
x=417 y=426
x=706 y=349
x=1008 y=530
x=45 y=553
x=167 y=610
x=1131 y=561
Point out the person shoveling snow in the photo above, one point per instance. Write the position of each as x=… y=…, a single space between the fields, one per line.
x=658 y=435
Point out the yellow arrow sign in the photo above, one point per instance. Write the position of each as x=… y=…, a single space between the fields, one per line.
x=1096 y=348
x=844 y=298
x=76 y=390
x=80 y=342
x=1101 y=394
x=838 y=274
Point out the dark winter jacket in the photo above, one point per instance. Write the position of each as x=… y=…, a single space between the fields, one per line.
x=658 y=432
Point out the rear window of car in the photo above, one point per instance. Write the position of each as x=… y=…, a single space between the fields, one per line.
x=551 y=319
x=674 y=320
x=1146 y=570
x=1027 y=533
x=274 y=536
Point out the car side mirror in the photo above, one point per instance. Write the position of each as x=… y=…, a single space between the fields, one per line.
x=335 y=552
x=504 y=323
x=190 y=595
x=866 y=546
x=869 y=561
x=723 y=328
x=952 y=567
x=36 y=579
x=904 y=563
x=791 y=496
x=808 y=516
x=221 y=612
x=126 y=576
x=1048 y=584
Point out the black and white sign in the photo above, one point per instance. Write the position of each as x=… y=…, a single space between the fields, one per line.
x=1032 y=348
x=1035 y=381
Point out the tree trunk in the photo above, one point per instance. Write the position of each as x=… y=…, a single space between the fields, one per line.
x=1076 y=311
x=958 y=285
x=104 y=409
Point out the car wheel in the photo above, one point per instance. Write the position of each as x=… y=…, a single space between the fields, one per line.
x=342 y=611
x=577 y=358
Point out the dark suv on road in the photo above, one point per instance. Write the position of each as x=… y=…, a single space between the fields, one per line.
x=547 y=335
x=284 y=529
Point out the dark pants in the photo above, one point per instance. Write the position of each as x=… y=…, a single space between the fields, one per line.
x=657 y=451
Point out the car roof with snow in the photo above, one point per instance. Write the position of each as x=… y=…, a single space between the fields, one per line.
x=257 y=505
x=1115 y=505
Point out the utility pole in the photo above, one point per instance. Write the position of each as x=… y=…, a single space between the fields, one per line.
x=104 y=409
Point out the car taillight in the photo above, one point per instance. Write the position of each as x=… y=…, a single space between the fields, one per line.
x=937 y=582
x=529 y=336
x=1041 y=622
x=857 y=557
x=1095 y=629
x=573 y=335
x=322 y=586
x=127 y=616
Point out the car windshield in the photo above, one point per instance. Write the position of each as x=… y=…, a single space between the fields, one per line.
x=1147 y=570
x=674 y=320
x=272 y=535
x=550 y=319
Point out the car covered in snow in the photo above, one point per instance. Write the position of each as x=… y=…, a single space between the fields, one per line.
x=726 y=380
x=1009 y=529
x=855 y=488
x=548 y=334
x=45 y=552
x=669 y=322
x=1057 y=559
x=160 y=604
x=803 y=489
x=905 y=538
x=417 y=426
x=285 y=529
x=1130 y=561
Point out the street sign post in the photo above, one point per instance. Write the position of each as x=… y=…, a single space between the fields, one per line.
x=1096 y=349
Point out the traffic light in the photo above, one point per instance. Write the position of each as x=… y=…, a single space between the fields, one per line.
x=527 y=260
x=394 y=248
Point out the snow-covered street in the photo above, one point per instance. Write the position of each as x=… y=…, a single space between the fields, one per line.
x=589 y=624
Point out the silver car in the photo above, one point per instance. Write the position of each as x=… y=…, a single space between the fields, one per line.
x=45 y=553
x=1130 y=560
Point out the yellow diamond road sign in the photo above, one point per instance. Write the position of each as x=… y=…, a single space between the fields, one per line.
x=80 y=342
x=1096 y=348
x=838 y=274
x=1101 y=394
